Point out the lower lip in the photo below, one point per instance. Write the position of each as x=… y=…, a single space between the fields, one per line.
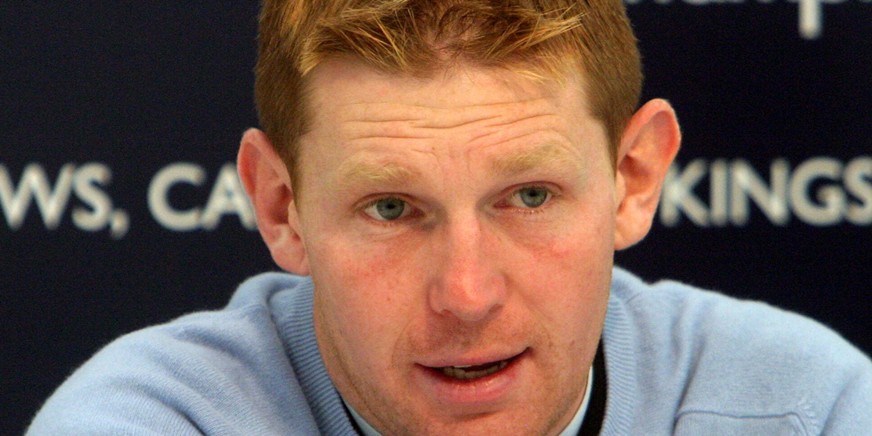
x=490 y=390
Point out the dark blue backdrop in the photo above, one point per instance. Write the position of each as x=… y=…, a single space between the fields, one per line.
x=119 y=118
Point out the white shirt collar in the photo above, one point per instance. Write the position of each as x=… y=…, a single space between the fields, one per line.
x=575 y=425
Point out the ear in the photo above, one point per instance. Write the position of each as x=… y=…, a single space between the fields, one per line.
x=268 y=184
x=646 y=151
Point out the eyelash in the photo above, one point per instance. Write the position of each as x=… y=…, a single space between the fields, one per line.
x=551 y=192
x=388 y=223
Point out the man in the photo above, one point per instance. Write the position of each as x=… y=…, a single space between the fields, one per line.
x=454 y=177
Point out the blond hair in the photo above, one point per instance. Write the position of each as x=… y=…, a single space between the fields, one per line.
x=540 y=38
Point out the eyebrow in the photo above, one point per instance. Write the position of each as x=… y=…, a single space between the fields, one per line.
x=546 y=155
x=353 y=172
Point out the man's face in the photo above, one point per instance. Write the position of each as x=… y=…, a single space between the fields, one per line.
x=460 y=235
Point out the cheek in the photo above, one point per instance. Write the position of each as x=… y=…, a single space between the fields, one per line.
x=579 y=239
x=569 y=281
x=565 y=275
x=363 y=296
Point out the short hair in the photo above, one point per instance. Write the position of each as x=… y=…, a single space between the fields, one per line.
x=542 y=38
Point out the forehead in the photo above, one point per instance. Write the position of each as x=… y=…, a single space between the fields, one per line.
x=367 y=126
x=343 y=88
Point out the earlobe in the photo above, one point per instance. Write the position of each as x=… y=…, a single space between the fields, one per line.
x=268 y=185
x=647 y=148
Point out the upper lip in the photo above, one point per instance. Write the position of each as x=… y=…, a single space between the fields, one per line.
x=471 y=360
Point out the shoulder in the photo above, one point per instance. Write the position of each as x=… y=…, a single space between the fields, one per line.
x=226 y=370
x=721 y=359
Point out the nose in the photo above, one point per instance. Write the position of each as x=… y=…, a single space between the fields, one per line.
x=467 y=282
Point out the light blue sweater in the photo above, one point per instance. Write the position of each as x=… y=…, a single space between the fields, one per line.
x=678 y=360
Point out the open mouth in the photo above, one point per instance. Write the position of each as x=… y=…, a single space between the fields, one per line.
x=473 y=372
x=470 y=372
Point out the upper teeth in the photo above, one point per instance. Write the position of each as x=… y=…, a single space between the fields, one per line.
x=460 y=372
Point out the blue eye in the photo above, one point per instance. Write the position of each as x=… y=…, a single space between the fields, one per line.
x=387 y=209
x=530 y=197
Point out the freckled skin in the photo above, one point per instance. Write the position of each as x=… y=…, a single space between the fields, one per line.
x=469 y=271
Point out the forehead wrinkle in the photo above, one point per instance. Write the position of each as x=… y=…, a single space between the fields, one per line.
x=508 y=130
x=489 y=114
x=434 y=116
